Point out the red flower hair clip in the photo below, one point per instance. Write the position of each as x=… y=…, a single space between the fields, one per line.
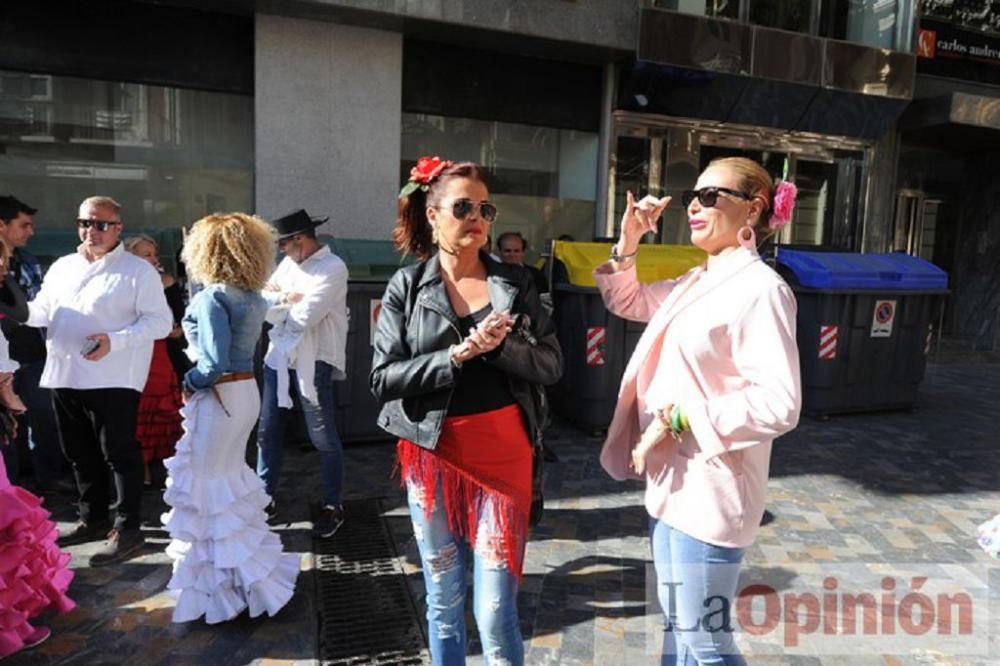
x=426 y=170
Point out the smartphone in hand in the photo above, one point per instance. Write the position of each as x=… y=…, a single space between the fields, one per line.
x=89 y=346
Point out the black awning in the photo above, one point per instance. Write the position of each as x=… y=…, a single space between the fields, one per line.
x=723 y=71
x=958 y=120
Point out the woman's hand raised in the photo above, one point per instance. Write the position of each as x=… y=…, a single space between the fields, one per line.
x=639 y=219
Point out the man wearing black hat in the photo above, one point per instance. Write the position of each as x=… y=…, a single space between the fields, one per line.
x=306 y=355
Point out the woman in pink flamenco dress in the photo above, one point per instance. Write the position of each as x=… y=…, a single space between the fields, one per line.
x=33 y=573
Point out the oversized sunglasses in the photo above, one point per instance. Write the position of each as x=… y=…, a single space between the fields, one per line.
x=100 y=225
x=709 y=196
x=462 y=208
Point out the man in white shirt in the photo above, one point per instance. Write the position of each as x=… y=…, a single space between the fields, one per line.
x=305 y=356
x=103 y=308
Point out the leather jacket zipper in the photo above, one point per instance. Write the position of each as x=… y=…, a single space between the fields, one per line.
x=430 y=305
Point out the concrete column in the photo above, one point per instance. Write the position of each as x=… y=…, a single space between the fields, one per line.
x=327 y=103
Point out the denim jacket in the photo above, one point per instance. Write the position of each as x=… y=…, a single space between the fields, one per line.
x=222 y=325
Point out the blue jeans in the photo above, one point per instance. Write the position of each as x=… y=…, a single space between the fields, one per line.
x=36 y=429
x=444 y=559
x=320 y=422
x=696 y=585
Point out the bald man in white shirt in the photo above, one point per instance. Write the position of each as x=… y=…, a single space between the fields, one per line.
x=103 y=308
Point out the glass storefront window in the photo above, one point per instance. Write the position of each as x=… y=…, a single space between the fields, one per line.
x=792 y=15
x=884 y=24
x=717 y=8
x=982 y=15
x=168 y=155
x=543 y=179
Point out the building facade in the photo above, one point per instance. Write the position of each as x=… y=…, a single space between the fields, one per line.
x=182 y=108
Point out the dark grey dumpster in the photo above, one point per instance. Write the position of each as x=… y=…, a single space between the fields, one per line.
x=864 y=327
x=371 y=264
x=596 y=346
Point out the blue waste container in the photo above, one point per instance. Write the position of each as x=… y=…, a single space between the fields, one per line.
x=865 y=325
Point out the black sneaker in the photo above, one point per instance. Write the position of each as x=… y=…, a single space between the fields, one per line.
x=271 y=510
x=329 y=521
x=118 y=547
x=82 y=532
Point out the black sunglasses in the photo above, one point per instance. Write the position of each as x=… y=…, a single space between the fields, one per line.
x=709 y=196
x=462 y=208
x=100 y=225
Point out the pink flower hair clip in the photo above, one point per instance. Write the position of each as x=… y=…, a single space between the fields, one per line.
x=784 y=204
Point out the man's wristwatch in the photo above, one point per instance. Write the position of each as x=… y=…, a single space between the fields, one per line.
x=619 y=258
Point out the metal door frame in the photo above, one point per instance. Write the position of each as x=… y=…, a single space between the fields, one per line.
x=797 y=145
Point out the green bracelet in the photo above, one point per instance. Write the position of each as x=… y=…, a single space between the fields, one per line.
x=685 y=424
x=675 y=421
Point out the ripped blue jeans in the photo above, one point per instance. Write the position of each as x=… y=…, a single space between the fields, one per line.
x=444 y=559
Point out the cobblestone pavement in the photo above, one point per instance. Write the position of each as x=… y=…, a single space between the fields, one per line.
x=857 y=498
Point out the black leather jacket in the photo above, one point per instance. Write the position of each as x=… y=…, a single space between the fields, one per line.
x=412 y=375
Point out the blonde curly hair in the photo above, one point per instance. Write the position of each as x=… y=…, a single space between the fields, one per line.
x=231 y=248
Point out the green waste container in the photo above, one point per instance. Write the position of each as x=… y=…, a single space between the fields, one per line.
x=370 y=264
x=864 y=327
x=596 y=344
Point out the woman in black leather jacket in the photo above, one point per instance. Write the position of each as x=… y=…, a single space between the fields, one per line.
x=462 y=347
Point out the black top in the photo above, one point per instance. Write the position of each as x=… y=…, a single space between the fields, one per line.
x=175 y=301
x=481 y=387
x=175 y=346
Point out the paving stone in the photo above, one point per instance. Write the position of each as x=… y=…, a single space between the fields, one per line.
x=888 y=494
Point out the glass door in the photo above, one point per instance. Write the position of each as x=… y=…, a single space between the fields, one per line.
x=637 y=167
x=828 y=205
x=916 y=223
x=664 y=156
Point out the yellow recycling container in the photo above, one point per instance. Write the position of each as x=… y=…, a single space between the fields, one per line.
x=653 y=263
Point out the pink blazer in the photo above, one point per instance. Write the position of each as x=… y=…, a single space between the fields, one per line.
x=721 y=344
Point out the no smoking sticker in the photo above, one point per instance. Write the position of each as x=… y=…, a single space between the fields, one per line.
x=883 y=316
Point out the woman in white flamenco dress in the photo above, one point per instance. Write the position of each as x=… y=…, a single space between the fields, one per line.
x=225 y=557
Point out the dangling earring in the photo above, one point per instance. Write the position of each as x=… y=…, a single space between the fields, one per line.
x=434 y=235
x=747 y=238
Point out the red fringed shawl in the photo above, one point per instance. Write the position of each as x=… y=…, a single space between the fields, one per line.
x=483 y=461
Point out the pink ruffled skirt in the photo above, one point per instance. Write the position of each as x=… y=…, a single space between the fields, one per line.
x=33 y=573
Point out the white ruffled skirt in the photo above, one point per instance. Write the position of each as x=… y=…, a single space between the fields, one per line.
x=226 y=559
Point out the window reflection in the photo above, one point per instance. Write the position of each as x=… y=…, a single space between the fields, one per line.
x=542 y=179
x=981 y=15
x=884 y=24
x=717 y=8
x=793 y=15
x=168 y=155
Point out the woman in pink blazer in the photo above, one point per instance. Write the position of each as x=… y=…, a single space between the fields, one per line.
x=713 y=380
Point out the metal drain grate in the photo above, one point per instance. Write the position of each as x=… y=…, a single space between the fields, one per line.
x=366 y=613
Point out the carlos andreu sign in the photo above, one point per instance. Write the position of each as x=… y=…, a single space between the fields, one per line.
x=947 y=50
